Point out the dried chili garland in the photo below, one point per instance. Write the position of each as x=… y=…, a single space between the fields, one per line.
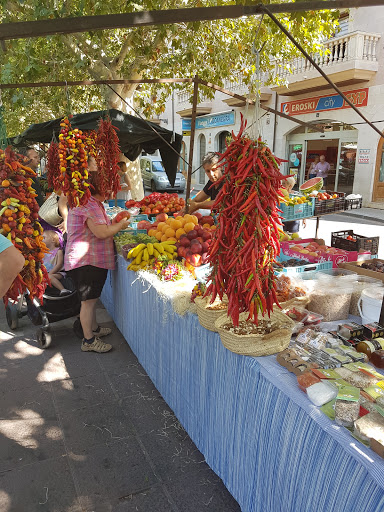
x=19 y=223
x=73 y=164
x=108 y=154
x=246 y=241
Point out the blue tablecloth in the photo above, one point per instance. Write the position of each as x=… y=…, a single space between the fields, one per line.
x=273 y=449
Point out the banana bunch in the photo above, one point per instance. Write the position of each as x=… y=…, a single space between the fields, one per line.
x=143 y=254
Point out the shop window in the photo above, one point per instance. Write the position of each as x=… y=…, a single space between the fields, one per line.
x=347 y=164
x=202 y=153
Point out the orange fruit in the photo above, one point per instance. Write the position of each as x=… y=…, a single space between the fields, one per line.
x=195 y=220
x=159 y=235
x=164 y=228
x=213 y=228
x=207 y=226
x=152 y=232
x=176 y=224
x=180 y=232
x=188 y=226
x=170 y=233
x=188 y=218
x=169 y=221
x=161 y=225
x=171 y=239
x=164 y=238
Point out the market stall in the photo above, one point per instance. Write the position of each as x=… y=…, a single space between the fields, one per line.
x=258 y=431
x=300 y=428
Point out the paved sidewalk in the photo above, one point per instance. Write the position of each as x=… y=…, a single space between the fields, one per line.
x=89 y=432
x=372 y=214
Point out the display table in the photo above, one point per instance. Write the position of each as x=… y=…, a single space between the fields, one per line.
x=273 y=449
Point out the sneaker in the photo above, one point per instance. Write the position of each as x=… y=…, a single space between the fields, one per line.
x=103 y=331
x=65 y=292
x=96 y=346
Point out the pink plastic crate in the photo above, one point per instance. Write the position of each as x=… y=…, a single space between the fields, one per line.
x=341 y=257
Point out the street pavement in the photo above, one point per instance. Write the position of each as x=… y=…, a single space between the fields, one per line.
x=89 y=432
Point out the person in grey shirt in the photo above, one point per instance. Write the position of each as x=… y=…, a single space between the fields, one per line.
x=322 y=169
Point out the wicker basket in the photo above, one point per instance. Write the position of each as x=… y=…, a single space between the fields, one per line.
x=207 y=317
x=257 y=345
x=296 y=301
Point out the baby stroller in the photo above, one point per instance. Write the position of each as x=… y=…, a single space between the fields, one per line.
x=53 y=309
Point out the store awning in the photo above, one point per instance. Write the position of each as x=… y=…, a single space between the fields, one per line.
x=135 y=135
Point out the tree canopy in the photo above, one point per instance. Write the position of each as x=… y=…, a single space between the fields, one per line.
x=215 y=51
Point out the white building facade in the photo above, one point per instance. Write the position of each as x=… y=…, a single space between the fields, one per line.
x=355 y=62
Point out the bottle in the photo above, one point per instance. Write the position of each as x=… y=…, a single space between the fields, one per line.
x=368 y=347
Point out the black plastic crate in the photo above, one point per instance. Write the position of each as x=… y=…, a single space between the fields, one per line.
x=325 y=206
x=353 y=204
x=340 y=241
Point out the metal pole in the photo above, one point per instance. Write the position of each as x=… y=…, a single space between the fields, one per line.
x=322 y=73
x=191 y=141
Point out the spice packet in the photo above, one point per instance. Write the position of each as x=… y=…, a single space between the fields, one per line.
x=329 y=409
x=340 y=383
x=343 y=359
x=357 y=366
x=326 y=374
x=348 y=393
x=379 y=409
x=374 y=391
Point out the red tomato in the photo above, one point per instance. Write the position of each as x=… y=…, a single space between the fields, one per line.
x=120 y=216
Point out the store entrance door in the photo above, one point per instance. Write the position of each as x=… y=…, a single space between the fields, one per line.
x=338 y=144
x=378 y=186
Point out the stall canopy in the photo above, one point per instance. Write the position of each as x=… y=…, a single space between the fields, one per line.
x=135 y=135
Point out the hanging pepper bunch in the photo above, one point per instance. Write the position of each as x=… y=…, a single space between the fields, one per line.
x=53 y=166
x=90 y=143
x=108 y=154
x=19 y=223
x=246 y=241
x=73 y=164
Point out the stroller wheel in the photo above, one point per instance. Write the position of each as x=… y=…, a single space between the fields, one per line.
x=44 y=338
x=12 y=316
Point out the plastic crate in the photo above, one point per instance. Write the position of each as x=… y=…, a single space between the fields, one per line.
x=120 y=202
x=309 y=267
x=322 y=207
x=298 y=211
x=353 y=204
x=340 y=240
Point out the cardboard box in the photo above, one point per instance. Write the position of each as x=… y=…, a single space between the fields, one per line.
x=355 y=266
x=336 y=259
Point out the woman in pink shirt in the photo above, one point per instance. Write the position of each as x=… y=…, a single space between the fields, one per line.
x=89 y=255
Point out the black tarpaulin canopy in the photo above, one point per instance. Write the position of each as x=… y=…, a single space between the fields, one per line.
x=135 y=136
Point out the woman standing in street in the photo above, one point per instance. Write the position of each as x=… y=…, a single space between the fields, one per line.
x=88 y=257
x=125 y=192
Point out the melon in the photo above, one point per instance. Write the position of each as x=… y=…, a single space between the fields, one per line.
x=313 y=184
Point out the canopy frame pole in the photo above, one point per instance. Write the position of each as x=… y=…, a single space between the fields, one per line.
x=318 y=68
x=192 y=141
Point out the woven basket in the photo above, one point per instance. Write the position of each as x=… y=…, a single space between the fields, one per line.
x=296 y=301
x=257 y=344
x=207 y=317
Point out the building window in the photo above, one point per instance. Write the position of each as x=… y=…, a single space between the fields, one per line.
x=222 y=138
x=202 y=152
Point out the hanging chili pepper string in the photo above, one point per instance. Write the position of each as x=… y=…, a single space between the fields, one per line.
x=246 y=241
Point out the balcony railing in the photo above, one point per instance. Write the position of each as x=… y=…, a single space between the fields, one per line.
x=184 y=98
x=355 y=46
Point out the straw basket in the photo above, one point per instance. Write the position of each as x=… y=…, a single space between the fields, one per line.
x=257 y=344
x=296 y=301
x=208 y=317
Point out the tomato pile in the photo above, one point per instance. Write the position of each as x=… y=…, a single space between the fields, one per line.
x=157 y=203
x=18 y=217
x=246 y=241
